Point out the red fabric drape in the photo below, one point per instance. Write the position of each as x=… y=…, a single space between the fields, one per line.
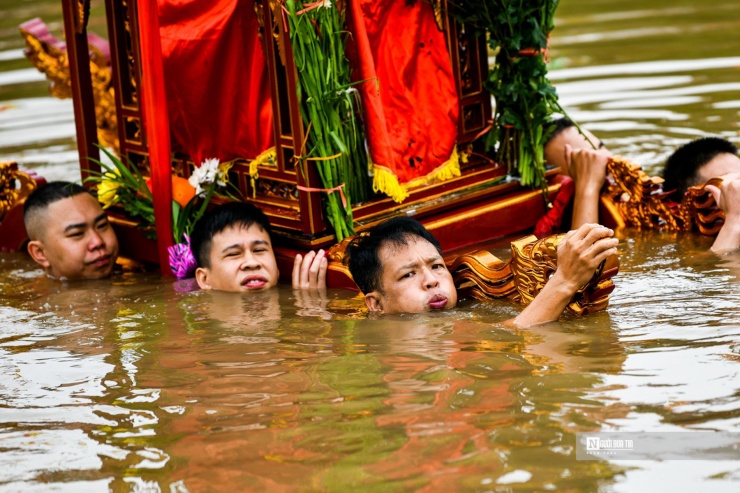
x=218 y=91
x=157 y=127
x=410 y=103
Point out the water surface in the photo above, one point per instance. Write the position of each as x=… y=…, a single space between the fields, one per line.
x=142 y=384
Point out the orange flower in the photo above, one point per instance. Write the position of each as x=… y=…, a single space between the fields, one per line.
x=182 y=190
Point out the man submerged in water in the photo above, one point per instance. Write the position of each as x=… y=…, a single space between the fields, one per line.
x=584 y=158
x=398 y=266
x=71 y=237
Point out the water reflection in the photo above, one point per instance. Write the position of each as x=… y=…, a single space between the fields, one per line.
x=141 y=384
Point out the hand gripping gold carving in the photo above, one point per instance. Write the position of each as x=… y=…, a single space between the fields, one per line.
x=640 y=201
x=637 y=197
x=535 y=261
x=699 y=210
x=15 y=186
x=481 y=275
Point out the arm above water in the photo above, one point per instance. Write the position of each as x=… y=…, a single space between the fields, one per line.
x=727 y=197
x=309 y=272
x=587 y=167
x=579 y=254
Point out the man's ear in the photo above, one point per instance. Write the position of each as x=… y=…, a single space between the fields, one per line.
x=201 y=277
x=38 y=253
x=374 y=302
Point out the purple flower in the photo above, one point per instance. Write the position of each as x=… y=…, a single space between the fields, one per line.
x=182 y=262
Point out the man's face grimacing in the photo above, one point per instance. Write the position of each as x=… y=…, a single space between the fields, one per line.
x=76 y=240
x=242 y=260
x=414 y=279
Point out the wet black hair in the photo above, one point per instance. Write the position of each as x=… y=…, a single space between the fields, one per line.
x=220 y=218
x=556 y=127
x=362 y=257
x=45 y=195
x=681 y=170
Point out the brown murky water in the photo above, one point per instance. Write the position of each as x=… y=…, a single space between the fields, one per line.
x=142 y=384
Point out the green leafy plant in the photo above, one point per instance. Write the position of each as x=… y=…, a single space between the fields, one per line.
x=329 y=108
x=123 y=185
x=517 y=31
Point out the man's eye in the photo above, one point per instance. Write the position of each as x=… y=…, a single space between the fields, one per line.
x=231 y=254
x=407 y=275
x=438 y=266
x=76 y=234
x=103 y=225
x=259 y=250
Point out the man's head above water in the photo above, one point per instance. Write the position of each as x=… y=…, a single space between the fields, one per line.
x=399 y=268
x=71 y=237
x=699 y=161
x=232 y=244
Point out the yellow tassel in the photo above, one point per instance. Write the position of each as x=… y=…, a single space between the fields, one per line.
x=266 y=158
x=385 y=181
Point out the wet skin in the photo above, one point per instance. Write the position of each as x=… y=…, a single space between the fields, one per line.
x=414 y=280
x=76 y=241
x=242 y=260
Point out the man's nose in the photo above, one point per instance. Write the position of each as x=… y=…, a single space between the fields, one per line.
x=430 y=280
x=96 y=240
x=249 y=262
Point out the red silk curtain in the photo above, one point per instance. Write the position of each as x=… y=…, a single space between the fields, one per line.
x=218 y=91
x=410 y=98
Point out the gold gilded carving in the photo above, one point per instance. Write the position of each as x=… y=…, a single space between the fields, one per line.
x=259 y=11
x=699 y=210
x=52 y=61
x=82 y=15
x=639 y=201
x=535 y=261
x=278 y=29
x=481 y=275
x=438 y=14
x=637 y=197
x=282 y=190
x=15 y=186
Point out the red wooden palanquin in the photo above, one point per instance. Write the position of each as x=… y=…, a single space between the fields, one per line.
x=475 y=207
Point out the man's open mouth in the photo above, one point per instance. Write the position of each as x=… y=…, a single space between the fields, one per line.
x=254 y=282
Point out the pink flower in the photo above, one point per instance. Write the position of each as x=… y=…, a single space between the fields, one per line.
x=182 y=262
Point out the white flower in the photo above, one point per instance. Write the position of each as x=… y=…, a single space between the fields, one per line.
x=326 y=4
x=205 y=174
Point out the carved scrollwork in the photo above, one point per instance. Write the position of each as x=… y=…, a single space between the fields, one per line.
x=638 y=197
x=481 y=275
x=278 y=28
x=46 y=53
x=277 y=189
x=640 y=202
x=15 y=186
x=699 y=210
